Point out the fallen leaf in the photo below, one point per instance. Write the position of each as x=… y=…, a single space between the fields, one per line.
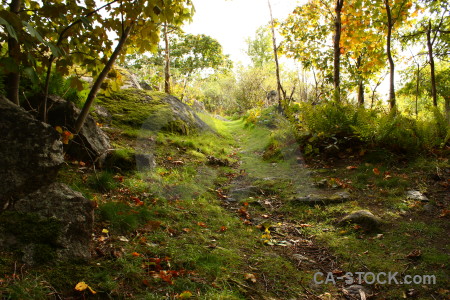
x=135 y=254
x=376 y=171
x=444 y=213
x=250 y=277
x=201 y=224
x=304 y=225
x=223 y=229
x=104 y=230
x=351 y=167
x=415 y=254
x=81 y=286
x=185 y=295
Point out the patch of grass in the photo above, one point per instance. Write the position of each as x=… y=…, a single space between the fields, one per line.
x=102 y=181
x=123 y=218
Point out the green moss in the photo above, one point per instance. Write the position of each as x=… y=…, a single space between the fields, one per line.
x=31 y=228
x=132 y=108
x=123 y=160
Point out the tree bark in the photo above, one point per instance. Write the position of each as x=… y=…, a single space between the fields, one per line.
x=389 y=54
x=417 y=90
x=167 y=61
x=96 y=87
x=360 y=85
x=280 y=90
x=13 y=78
x=432 y=69
x=337 y=49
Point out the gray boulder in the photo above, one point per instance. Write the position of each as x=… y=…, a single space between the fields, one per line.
x=183 y=114
x=51 y=223
x=91 y=143
x=31 y=152
x=316 y=199
x=364 y=218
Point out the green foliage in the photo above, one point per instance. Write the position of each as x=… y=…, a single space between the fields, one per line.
x=332 y=125
x=260 y=49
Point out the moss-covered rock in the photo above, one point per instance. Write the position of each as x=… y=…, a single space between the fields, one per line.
x=54 y=222
x=153 y=111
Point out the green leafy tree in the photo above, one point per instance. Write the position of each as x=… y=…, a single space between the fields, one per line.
x=259 y=48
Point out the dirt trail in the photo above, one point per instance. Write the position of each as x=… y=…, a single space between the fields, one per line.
x=261 y=196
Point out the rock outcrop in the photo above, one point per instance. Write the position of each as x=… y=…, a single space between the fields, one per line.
x=53 y=222
x=91 y=143
x=41 y=219
x=152 y=111
x=31 y=152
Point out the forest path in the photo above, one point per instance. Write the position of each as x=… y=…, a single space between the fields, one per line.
x=263 y=195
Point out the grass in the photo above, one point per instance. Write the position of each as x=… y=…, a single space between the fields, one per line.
x=166 y=231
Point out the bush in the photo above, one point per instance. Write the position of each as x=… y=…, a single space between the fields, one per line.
x=333 y=126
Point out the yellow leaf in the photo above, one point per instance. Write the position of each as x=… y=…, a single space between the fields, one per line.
x=185 y=295
x=81 y=286
x=105 y=230
x=59 y=129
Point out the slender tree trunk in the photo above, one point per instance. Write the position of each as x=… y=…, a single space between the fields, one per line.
x=389 y=54
x=432 y=71
x=188 y=76
x=447 y=108
x=167 y=60
x=361 y=93
x=13 y=78
x=275 y=52
x=360 y=85
x=96 y=87
x=417 y=91
x=337 y=49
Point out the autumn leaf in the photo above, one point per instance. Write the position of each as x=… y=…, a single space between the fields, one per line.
x=81 y=286
x=185 y=295
x=202 y=224
x=415 y=254
x=305 y=225
x=444 y=213
x=223 y=229
x=376 y=171
x=135 y=254
x=351 y=167
x=104 y=230
x=250 y=277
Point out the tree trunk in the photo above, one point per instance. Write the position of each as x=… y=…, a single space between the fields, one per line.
x=447 y=108
x=96 y=87
x=417 y=91
x=337 y=49
x=432 y=71
x=275 y=52
x=167 y=61
x=389 y=54
x=360 y=85
x=13 y=78
x=361 y=93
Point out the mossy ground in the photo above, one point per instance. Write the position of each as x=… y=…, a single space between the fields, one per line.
x=170 y=232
